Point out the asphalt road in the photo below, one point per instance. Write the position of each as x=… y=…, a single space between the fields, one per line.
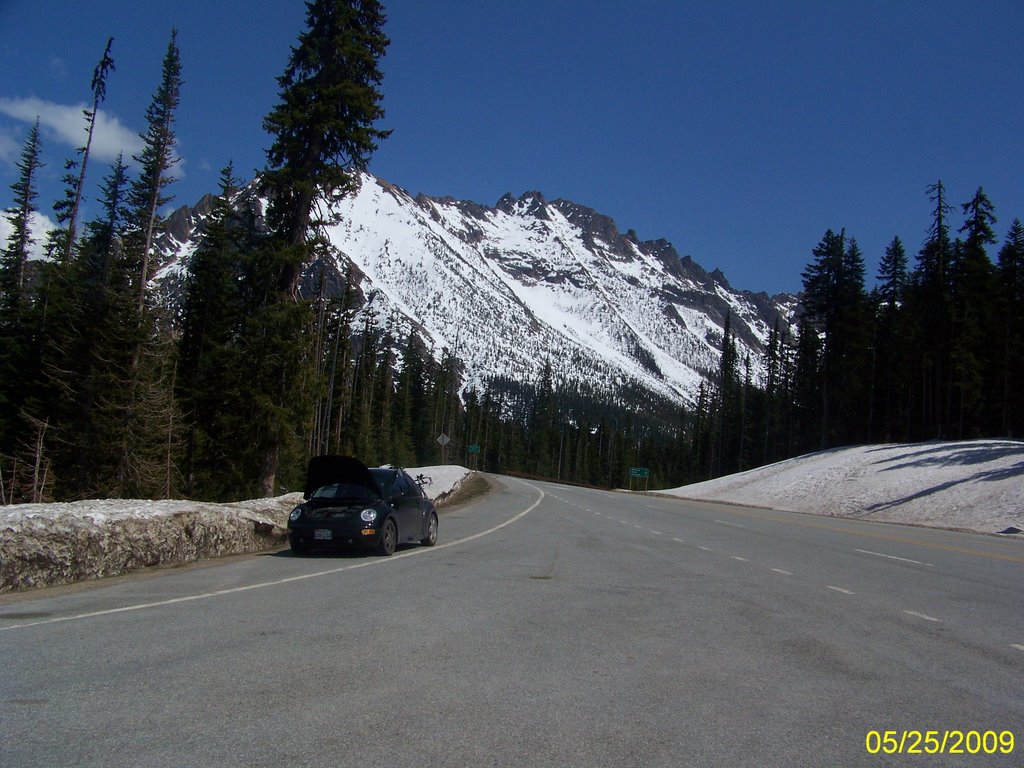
x=552 y=626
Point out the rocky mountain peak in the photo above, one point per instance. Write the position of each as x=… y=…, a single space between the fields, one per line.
x=509 y=287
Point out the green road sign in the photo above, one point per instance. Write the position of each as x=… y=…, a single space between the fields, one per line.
x=639 y=472
x=473 y=448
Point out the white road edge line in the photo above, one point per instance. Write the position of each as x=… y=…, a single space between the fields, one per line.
x=840 y=589
x=924 y=616
x=779 y=570
x=289 y=579
x=893 y=557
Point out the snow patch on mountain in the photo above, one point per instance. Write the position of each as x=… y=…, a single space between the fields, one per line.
x=509 y=288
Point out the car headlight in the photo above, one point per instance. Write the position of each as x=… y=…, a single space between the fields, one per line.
x=368 y=515
x=296 y=514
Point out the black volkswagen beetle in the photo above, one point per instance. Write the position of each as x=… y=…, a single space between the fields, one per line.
x=349 y=505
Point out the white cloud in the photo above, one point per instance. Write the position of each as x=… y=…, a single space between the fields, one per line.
x=66 y=123
x=8 y=149
x=40 y=225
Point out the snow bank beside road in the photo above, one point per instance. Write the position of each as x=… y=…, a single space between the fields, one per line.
x=47 y=544
x=975 y=485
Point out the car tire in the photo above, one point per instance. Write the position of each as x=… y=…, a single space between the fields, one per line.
x=431 y=538
x=388 y=539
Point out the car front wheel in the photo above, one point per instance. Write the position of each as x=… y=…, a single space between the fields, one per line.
x=388 y=538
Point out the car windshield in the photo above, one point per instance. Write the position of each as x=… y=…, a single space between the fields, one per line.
x=343 y=491
x=384 y=478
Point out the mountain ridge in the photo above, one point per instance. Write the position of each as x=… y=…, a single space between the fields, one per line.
x=527 y=281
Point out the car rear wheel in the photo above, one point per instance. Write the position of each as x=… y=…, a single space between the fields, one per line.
x=388 y=538
x=431 y=538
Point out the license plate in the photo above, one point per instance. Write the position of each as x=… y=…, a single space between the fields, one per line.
x=322 y=534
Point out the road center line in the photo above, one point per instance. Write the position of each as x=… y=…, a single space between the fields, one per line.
x=892 y=557
x=289 y=579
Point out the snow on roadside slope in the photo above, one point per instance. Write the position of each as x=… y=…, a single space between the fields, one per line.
x=975 y=485
x=60 y=543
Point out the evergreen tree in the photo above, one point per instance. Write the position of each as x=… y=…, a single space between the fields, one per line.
x=68 y=211
x=928 y=299
x=836 y=308
x=542 y=422
x=972 y=291
x=16 y=339
x=1009 y=371
x=323 y=127
x=155 y=162
x=892 y=275
x=104 y=442
x=890 y=345
x=20 y=214
x=211 y=372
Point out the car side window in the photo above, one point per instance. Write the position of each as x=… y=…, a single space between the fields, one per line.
x=401 y=487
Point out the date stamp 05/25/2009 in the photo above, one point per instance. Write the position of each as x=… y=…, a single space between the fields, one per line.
x=951 y=741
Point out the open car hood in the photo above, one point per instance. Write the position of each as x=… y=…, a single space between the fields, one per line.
x=324 y=470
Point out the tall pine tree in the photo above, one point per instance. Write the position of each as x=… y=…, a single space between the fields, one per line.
x=156 y=160
x=16 y=339
x=68 y=213
x=323 y=129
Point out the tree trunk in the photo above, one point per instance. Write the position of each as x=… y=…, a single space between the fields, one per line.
x=268 y=470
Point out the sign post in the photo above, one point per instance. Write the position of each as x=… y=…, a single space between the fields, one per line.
x=443 y=441
x=643 y=472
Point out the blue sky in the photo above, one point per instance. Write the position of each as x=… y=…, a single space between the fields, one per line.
x=739 y=131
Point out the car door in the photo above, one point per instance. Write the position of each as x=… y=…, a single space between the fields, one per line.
x=406 y=508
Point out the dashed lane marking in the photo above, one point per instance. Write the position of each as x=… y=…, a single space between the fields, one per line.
x=840 y=589
x=732 y=525
x=737 y=557
x=924 y=616
x=779 y=570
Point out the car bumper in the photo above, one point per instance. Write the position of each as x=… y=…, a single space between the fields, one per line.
x=324 y=534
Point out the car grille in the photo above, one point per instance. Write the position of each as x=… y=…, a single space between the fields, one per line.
x=335 y=513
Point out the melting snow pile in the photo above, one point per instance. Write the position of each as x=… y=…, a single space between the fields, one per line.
x=975 y=485
x=45 y=544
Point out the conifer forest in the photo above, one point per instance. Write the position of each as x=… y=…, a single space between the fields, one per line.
x=106 y=391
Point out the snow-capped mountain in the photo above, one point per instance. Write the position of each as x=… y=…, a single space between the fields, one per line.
x=527 y=281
